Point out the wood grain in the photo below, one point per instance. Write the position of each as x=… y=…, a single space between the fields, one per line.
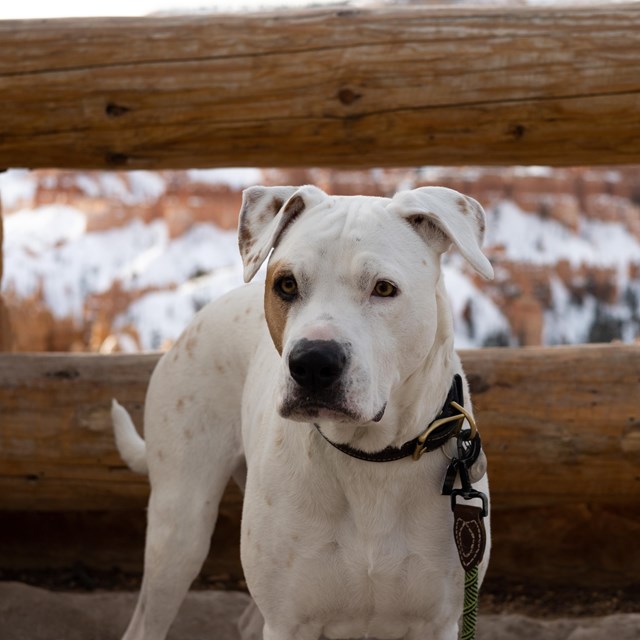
x=341 y=87
x=561 y=427
x=559 y=424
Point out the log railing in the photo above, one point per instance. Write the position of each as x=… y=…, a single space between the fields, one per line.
x=395 y=86
x=561 y=427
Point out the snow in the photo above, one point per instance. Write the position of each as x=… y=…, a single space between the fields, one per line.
x=567 y=323
x=16 y=187
x=160 y=317
x=234 y=178
x=36 y=231
x=68 y=270
x=135 y=187
x=203 y=248
x=611 y=242
x=69 y=265
x=528 y=238
x=487 y=319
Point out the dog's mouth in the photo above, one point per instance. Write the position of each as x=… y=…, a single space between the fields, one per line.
x=308 y=409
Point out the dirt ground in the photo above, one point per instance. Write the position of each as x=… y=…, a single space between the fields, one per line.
x=33 y=613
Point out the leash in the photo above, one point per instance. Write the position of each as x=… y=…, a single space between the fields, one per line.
x=468 y=524
x=468 y=520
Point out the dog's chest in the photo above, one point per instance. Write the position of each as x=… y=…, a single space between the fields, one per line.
x=366 y=557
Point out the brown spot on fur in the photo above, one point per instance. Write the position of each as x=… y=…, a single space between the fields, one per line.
x=463 y=205
x=188 y=434
x=290 y=559
x=295 y=206
x=478 y=214
x=275 y=308
x=245 y=237
x=269 y=212
x=180 y=404
x=160 y=454
x=250 y=224
x=279 y=441
x=268 y=501
x=220 y=368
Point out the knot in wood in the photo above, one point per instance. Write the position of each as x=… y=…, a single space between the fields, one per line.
x=114 y=110
x=348 y=96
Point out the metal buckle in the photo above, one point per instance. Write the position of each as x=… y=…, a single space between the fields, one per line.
x=464 y=414
x=470 y=494
x=469 y=417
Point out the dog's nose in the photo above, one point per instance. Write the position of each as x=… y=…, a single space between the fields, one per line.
x=317 y=364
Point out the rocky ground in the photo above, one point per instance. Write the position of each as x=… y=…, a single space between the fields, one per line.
x=32 y=613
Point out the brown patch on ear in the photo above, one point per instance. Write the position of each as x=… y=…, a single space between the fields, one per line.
x=245 y=238
x=276 y=205
x=270 y=212
x=468 y=206
x=295 y=206
x=478 y=214
x=463 y=205
x=275 y=308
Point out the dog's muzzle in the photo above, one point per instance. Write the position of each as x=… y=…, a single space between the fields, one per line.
x=317 y=365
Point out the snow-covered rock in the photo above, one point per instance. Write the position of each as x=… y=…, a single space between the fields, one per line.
x=126 y=259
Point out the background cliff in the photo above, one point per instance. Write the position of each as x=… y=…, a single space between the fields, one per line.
x=121 y=261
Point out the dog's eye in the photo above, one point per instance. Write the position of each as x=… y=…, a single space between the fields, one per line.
x=384 y=289
x=286 y=287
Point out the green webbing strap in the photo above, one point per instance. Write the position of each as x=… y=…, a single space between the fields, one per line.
x=470 y=610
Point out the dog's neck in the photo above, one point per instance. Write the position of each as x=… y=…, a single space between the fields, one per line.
x=413 y=402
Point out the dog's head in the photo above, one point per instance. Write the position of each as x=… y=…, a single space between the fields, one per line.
x=352 y=289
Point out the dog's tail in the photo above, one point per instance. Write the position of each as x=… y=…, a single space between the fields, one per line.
x=131 y=446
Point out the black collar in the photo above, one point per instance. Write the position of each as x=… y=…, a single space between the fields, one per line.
x=433 y=437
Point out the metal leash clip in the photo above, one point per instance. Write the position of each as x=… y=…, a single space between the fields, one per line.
x=469 y=448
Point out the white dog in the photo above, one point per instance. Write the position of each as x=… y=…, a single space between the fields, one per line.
x=349 y=342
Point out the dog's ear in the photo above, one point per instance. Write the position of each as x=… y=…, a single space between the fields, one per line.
x=266 y=213
x=442 y=216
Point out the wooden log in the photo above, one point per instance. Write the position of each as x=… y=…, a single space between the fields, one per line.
x=55 y=436
x=561 y=427
x=340 y=87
